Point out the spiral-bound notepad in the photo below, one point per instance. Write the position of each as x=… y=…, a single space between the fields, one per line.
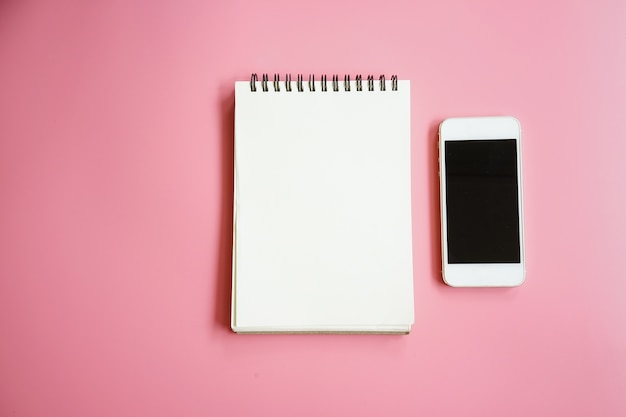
x=322 y=205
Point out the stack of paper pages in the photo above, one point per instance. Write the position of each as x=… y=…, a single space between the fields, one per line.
x=322 y=208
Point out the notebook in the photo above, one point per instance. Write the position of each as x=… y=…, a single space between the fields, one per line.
x=322 y=205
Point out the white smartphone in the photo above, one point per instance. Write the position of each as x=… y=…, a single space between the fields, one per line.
x=482 y=231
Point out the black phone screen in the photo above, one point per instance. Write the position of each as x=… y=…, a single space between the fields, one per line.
x=482 y=201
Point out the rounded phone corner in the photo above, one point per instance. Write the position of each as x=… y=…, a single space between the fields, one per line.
x=448 y=281
x=516 y=121
x=521 y=280
x=443 y=124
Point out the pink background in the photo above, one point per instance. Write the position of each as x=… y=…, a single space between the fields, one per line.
x=116 y=135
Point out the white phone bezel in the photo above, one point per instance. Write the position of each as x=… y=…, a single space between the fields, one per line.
x=491 y=274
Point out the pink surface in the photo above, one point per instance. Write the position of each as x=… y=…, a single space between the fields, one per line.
x=115 y=215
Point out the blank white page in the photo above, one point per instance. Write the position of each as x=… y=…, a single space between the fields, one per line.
x=322 y=210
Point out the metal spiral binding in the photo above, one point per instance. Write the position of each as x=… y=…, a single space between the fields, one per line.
x=335 y=82
x=276 y=82
x=299 y=83
x=287 y=82
x=265 y=79
x=253 y=79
